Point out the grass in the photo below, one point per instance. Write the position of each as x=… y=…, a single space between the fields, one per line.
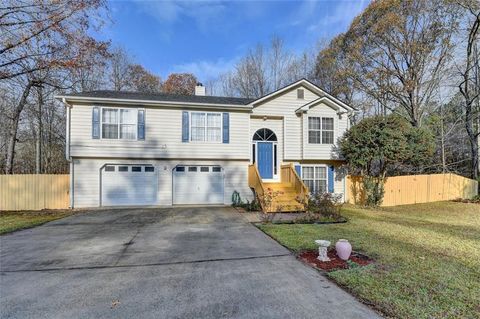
x=12 y=221
x=427 y=257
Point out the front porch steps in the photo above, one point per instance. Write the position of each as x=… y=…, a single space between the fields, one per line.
x=292 y=192
x=287 y=198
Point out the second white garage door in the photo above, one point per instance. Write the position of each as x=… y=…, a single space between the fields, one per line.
x=198 y=185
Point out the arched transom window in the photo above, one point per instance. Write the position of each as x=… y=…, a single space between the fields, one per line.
x=264 y=134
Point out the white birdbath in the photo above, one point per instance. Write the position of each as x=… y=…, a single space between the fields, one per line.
x=322 y=249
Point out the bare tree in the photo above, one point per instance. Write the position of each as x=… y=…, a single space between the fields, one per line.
x=396 y=52
x=265 y=69
x=39 y=41
x=120 y=63
x=39 y=131
x=13 y=128
x=250 y=74
x=228 y=86
x=59 y=27
x=470 y=85
x=279 y=63
x=93 y=73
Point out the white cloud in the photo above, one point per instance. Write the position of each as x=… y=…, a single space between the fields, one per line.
x=170 y=11
x=206 y=70
x=340 y=14
x=304 y=12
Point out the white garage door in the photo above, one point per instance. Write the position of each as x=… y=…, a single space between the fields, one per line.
x=198 y=185
x=129 y=185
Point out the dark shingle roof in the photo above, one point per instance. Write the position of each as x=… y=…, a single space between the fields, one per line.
x=162 y=97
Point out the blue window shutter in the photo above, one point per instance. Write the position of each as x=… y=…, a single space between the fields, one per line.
x=96 y=122
x=298 y=168
x=141 y=125
x=185 y=127
x=330 y=179
x=226 y=127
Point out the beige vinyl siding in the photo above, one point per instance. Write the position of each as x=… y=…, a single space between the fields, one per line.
x=87 y=178
x=276 y=125
x=285 y=105
x=86 y=182
x=339 y=182
x=163 y=138
x=323 y=151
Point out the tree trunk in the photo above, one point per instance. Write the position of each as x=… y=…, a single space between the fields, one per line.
x=38 y=142
x=442 y=140
x=476 y=81
x=465 y=89
x=472 y=138
x=12 y=138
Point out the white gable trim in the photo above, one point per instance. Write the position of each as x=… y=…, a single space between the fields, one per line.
x=325 y=100
x=303 y=82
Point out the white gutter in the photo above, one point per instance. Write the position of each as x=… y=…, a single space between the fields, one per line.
x=152 y=103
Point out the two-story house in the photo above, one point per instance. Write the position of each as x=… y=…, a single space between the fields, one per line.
x=131 y=149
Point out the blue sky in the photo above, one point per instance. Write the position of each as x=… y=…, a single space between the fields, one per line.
x=208 y=37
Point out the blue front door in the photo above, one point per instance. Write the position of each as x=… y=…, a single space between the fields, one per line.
x=265 y=159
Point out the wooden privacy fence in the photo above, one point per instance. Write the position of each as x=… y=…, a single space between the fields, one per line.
x=31 y=192
x=412 y=189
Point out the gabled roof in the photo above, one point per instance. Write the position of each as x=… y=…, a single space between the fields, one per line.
x=306 y=83
x=324 y=99
x=159 y=99
x=152 y=98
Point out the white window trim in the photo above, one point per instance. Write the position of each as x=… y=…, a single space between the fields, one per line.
x=205 y=133
x=320 y=130
x=118 y=124
x=314 y=177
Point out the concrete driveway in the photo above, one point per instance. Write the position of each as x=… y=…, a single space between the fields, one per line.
x=161 y=263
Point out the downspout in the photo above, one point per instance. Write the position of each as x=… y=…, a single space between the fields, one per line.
x=302 y=127
x=67 y=152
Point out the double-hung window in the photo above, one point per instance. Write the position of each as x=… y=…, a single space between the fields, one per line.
x=314 y=130
x=128 y=124
x=327 y=130
x=320 y=130
x=119 y=123
x=110 y=123
x=315 y=177
x=206 y=127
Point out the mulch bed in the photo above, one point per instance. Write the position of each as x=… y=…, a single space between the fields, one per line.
x=310 y=257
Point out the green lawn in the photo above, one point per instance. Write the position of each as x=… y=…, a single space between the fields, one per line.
x=428 y=257
x=12 y=221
